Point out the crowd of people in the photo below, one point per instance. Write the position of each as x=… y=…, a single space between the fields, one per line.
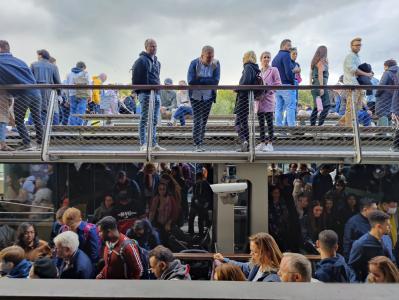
x=277 y=108
x=138 y=227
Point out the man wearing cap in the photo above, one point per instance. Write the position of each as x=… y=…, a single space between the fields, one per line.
x=168 y=98
x=45 y=73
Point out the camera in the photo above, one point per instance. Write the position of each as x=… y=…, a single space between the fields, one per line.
x=228 y=192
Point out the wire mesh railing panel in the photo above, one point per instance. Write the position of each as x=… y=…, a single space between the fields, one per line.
x=284 y=126
x=175 y=119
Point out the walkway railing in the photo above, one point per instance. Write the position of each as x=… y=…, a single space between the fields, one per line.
x=226 y=138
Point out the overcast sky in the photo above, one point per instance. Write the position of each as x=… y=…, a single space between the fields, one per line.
x=108 y=35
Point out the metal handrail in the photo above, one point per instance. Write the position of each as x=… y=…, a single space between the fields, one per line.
x=197 y=87
x=150 y=125
x=47 y=128
x=26 y=205
x=252 y=138
x=356 y=131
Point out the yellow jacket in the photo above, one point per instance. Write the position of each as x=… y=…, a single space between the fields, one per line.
x=96 y=97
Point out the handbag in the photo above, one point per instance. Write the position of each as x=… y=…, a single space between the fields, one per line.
x=319 y=104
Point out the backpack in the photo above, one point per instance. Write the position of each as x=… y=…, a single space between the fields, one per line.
x=86 y=232
x=258 y=94
x=81 y=79
x=144 y=258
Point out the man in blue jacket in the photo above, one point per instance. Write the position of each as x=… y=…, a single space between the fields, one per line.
x=72 y=262
x=332 y=267
x=358 y=225
x=204 y=70
x=15 y=71
x=89 y=240
x=146 y=70
x=370 y=245
x=45 y=73
x=285 y=100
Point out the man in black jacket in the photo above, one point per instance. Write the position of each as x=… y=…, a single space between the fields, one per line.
x=146 y=70
x=201 y=203
x=370 y=245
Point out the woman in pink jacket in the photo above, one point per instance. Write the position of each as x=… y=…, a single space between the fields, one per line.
x=265 y=106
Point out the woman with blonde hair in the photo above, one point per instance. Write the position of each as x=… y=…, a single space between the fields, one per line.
x=228 y=272
x=249 y=77
x=382 y=270
x=264 y=107
x=265 y=259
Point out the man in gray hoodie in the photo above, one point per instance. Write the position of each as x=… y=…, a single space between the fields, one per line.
x=165 y=267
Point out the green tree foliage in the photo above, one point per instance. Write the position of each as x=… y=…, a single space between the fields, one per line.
x=225 y=102
x=305 y=98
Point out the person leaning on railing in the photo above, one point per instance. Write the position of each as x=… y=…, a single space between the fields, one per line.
x=351 y=71
x=204 y=70
x=395 y=115
x=265 y=259
x=15 y=71
x=249 y=77
x=146 y=70
x=383 y=103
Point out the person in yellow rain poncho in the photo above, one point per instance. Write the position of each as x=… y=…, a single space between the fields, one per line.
x=94 y=105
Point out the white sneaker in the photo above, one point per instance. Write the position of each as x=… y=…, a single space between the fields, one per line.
x=143 y=148
x=268 y=148
x=260 y=147
x=158 y=148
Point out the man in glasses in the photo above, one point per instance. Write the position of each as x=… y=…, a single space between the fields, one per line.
x=351 y=71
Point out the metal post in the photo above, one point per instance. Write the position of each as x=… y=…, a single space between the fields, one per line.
x=150 y=124
x=47 y=127
x=356 y=132
x=252 y=137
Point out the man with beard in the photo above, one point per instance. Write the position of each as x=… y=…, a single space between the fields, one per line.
x=121 y=255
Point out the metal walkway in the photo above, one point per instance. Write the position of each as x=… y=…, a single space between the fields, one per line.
x=120 y=143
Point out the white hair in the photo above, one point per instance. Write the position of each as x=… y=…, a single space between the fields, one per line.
x=67 y=239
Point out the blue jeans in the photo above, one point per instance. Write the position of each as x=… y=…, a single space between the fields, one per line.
x=363 y=118
x=22 y=103
x=3 y=131
x=181 y=112
x=201 y=110
x=77 y=106
x=285 y=101
x=144 y=99
x=94 y=108
x=64 y=114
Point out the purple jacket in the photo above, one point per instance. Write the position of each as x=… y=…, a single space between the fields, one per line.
x=267 y=102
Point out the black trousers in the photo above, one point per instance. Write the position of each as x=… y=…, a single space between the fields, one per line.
x=203 y=219
x=268 y=116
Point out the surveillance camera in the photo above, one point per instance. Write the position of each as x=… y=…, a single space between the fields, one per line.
x=228 y=192
x=237 y=187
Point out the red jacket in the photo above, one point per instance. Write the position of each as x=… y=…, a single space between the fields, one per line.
x=115 y=267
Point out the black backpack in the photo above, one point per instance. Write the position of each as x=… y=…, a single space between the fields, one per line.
x=144 y=258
